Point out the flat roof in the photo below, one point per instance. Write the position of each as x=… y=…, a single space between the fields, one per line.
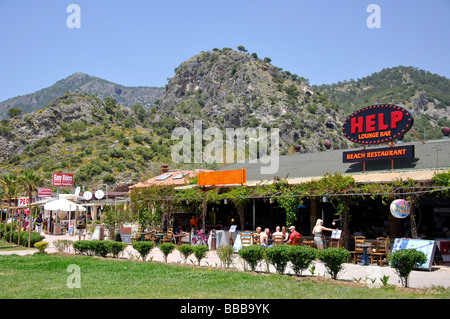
x=429 y=158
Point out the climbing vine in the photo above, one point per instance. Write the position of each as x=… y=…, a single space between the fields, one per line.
x=342 y=191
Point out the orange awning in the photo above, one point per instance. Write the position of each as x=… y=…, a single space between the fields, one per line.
x=237 y=176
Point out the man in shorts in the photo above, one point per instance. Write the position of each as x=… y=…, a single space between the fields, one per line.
x=81 y=227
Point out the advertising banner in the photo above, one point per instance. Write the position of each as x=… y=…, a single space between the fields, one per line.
x=61 y=179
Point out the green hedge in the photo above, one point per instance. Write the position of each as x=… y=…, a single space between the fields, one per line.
x=35 y=237
x=100 y=248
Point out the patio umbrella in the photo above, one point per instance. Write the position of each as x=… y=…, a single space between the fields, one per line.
x=64 y=205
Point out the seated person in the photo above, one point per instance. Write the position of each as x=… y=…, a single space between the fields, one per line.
x=285 y=234
x=264 y=238
x=292 y=236
x=277 y=231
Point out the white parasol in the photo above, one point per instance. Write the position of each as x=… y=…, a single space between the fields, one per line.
x=64 y=205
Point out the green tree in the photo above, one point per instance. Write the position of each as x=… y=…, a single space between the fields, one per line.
x=11 y=190
x=12 y=112
x=30 y=182
x=242 y=48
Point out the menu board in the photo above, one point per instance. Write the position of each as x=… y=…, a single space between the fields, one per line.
x=425 y=246
x=125 y=235
x=96 y=233
x=336 y=234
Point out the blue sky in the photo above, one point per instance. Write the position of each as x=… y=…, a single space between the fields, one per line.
x=141 y=42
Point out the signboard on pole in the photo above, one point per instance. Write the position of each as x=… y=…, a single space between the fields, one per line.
x=125 y=234
x=44 y=192
x=61 y=179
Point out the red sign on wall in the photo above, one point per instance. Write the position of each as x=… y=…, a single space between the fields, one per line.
x=24 y=201
x=377 y=124
x=61 y=179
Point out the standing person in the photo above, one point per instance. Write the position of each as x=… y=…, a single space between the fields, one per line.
x=318 y=232
x=81 y=226
x=194 y=222
x=39 y=222
x=292 y=235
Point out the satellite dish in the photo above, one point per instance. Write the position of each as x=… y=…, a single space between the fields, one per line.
x=99 y=194
x=87 y=195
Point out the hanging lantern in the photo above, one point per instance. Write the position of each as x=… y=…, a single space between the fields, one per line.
x=400 y=208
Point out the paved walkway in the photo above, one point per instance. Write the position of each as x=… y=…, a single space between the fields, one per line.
x=438 y=276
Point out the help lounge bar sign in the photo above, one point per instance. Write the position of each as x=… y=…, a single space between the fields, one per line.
x=61 y=179
x=378 y=124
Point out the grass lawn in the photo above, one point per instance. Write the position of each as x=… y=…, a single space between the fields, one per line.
x=7 y=246
x=45 y=276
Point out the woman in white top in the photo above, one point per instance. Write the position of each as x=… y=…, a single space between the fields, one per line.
x=318 y=231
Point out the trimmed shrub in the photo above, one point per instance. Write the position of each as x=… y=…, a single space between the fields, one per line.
x=301 y=257
x=97 y=247
x=334 y=259
x=185 y=251
x=403 y=261
x=82 y=247
x=252 y=255
x=200 y=252
x=116 y=247
x=278 y=256
x=166 y=249
x=41 y=246
x=225 y=254
x=143 y=248
x=100 y=247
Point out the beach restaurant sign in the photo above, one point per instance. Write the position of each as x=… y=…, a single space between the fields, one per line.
x=378 y=124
